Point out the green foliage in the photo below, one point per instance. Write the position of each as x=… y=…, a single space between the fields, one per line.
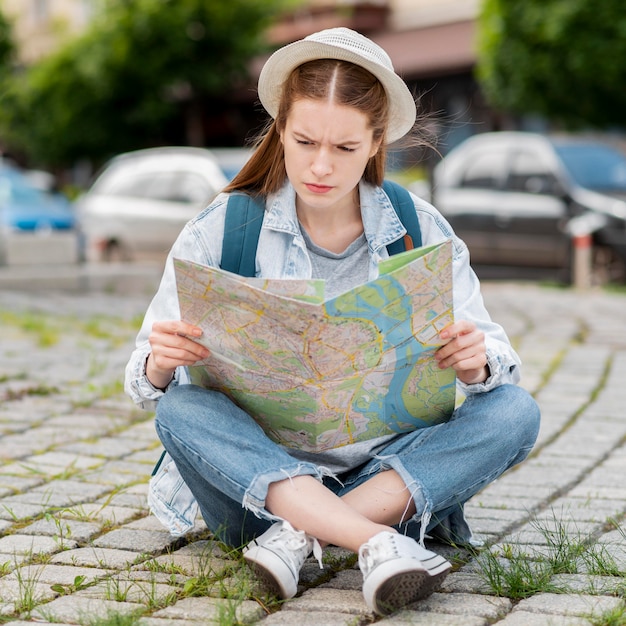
x=558 y=58
x=6 y=44
x=138 y=75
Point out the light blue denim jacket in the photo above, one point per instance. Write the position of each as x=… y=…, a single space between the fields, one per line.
x=282 y=253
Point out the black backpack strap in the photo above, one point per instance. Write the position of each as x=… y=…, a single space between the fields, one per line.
x=242 y=227
x=405 y=208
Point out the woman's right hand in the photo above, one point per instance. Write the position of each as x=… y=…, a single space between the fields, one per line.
x=173 y=345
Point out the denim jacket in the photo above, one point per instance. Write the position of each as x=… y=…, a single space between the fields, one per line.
x=282 y=253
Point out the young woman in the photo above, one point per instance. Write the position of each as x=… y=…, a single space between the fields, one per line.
x=336 y=103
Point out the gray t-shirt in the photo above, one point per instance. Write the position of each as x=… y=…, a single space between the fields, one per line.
x=341 y=272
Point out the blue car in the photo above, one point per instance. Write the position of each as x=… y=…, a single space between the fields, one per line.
x=24 y=207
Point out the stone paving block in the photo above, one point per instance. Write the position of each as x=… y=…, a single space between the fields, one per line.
x=102 y=514
x=149 y=522
x=27 y=545
x=54 y=463
x=39 y=622
x=15 y=484
x=342 y=601
x=124 y=498
x=155 y=621
x=19 y=592
x=466 y=582
x=412 y=618
x=77 y=489
x=476 y=514
x=202 y=548
x=104 y=558
x=320 y=618
x=489 y=607
x=187 y=564
x=212 y=609
x=79 y=610
x=49 y=574
x=523 y=618
x=345 y=579
x=501 y=501
x=598 y=492
x=146 y=592
x=142 y=541
x=588 y=584
x=583 y=509
x=490 y=526
x=63 y=529
x=107 y=447
x=136 y=469
x=113 y=480
x=148 y=457
x=578 y=605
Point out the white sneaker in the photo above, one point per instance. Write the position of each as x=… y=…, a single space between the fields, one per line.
x=278 y=555
x=398 y=571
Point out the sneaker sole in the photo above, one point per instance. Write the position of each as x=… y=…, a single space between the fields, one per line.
x=266 y=565
x=389 y=594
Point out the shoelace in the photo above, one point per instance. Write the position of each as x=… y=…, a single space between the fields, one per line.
x=296 y=541
x=383 y=549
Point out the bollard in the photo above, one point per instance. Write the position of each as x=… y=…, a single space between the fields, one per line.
x=582 y=270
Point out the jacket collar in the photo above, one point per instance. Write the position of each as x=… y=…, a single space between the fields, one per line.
x=381 y=223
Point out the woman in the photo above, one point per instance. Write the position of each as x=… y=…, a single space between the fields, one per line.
x=336 y=103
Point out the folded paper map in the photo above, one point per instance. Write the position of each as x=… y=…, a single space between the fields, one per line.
x=318 y=374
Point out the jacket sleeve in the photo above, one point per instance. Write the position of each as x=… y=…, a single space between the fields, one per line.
x=200 y=241
x=504 y=363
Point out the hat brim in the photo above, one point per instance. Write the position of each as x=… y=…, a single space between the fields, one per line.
x=402 y=109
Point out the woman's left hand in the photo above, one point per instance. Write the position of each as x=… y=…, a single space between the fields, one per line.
x=465 y=352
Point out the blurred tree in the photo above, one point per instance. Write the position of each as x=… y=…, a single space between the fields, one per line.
x=563 y=59
x=6 y=44
x=143 y=74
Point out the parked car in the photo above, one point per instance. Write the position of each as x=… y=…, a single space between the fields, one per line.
x=519 y=199
x=141 y=200
x=35 y=225
x=231 y=160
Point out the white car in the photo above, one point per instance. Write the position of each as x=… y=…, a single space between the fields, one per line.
x=140 y=202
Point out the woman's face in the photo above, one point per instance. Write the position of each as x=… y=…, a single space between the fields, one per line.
x=327 y=147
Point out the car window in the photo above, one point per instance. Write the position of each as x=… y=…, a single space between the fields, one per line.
x=485 y=171
x=192 y=188
x=530 y=173
x=594 y=166
x=184 y=187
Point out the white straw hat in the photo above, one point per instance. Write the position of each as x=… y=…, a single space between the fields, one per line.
x=346 y=45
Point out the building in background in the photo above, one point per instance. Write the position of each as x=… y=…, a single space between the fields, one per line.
x=431 y=43
x=40 y=26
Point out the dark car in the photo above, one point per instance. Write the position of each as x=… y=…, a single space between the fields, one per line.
x=522 y=199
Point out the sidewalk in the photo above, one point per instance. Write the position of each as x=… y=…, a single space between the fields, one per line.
x=78 y=546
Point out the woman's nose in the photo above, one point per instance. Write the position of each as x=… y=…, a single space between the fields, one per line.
x=321 y=165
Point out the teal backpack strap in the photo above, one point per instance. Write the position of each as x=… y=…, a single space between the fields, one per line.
x=405 y=208
x=242 y=227
x=244 y=218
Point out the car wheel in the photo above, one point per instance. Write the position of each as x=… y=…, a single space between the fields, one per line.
x=608 y=267
x=114 y=251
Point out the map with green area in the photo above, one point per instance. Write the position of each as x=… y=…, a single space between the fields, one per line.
x=318 y=374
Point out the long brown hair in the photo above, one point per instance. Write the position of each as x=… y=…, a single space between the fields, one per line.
x=347 y=84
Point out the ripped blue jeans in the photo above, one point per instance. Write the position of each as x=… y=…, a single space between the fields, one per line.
x=228 y=462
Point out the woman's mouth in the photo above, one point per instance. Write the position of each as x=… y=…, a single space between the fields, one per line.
x=317 y=188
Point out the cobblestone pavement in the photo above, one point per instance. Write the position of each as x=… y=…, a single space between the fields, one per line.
x=78 y=546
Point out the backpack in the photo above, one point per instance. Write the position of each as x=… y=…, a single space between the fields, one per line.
x=244 y=218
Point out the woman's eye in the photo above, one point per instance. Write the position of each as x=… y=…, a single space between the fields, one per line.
x=346 y=149
x=303 y=142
